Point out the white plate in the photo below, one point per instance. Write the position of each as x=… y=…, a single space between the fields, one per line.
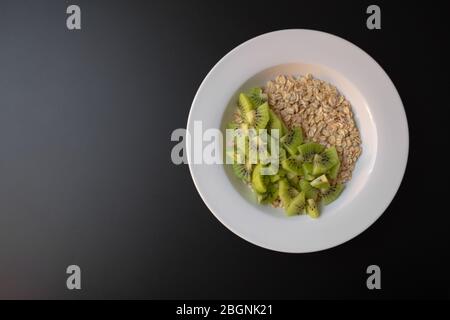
x=379 y=115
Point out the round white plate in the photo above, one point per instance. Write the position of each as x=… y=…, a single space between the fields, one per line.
x=379 y=115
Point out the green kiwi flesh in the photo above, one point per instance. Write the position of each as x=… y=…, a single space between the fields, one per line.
x=269 y=196
x=283 y=191
x=261 y=116
x=276 y=123
x=297 y=205
x=325 y=161
x=242 y=171
x=312 y=209
x=310 y=191
x=309 y=150
x=332 y=194
x=307 y=171
x=292 y=140
x=256 y=96
x=292 y=164
x=334 y=171
x=258 y=180
x=321 y=182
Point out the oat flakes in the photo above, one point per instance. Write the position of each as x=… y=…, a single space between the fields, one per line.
x=322 y=112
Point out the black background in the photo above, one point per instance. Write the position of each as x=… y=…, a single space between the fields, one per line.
x=85 y=170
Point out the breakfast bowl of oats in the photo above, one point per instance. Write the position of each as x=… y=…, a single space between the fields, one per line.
x=314 y=140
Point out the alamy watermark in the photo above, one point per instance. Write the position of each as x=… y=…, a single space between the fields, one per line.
x=374 y=20
x=73 y=281
x=241 y=146
x=73 y=21
x=374 y=280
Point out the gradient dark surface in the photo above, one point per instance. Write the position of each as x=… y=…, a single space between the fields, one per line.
x=85 y=170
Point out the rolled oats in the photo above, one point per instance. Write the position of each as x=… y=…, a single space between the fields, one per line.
x=323 y=113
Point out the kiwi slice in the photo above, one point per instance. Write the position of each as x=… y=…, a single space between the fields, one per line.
x=276 y=123
x=240 y=129
x=309 y=150
x=292 y=178
x=333 y=173
x=283 y=191
x=312 y=209
x=310 y=191
x=274 y=178
x=332 y=193
x=308 y=168
x=325 y=161
x=307 y=171
x=297 y=205
x=242 y=171
x=292 y=140
x=256 y=96
x=283 y=155
x=259 y=181
x=261 y=116
x=241 y=142
x=281 y=151
x=292 y=164
x=264 y=156
x=269 y=196
x=244 y=103
x=293 y=192
x=321 y=182
x=233 y=125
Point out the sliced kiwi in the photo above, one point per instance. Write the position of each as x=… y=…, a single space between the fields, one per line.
x=276 y=123
x=308 y=168
x=325 y=161
x=259 y=182
x=261 y=116
x=253 y=150
x=309 y=150
x=264 y=156
x=230 y=156
x=304 y=168
x=321 y=182
x=267 y=140
x=307 y=171
x=292 y=178
x=283 y=155
x=256 y=96
x=240 y=129
x=284 y=193
x=310 y=191
x=242 y=171
x=269 y=196
x=240 y=142
x=233 y=125
x=293 y=191
x=274 y=178
x=237 y=153
x=312 y=209
x=297 y=205
x=292 y=140
x=332 y=193
x=292 y=164
x=244 y=103
x=242 y=133
x=333 y=173
x=271 y=148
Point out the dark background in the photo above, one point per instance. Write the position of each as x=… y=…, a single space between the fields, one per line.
x=85 y=170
